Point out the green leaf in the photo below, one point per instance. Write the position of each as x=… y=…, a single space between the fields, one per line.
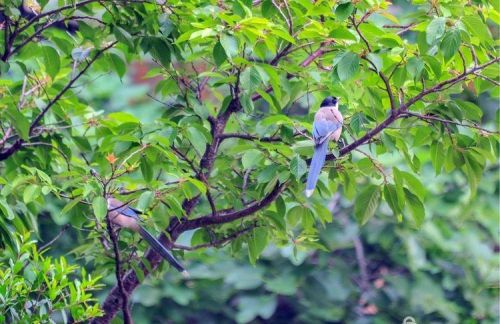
x=6 y=210
x=343 y=11
x=123 y=36
x=274 y=79
x=415 y=66
x=341 y=32
x=435 y=30
x=470 y=110
x=478 y=28
x=160 y=51
x=434 y=64
x=437 y=156
x=283 y=34
x=124 y=117
x=175 y=206
x=197 y=139
x=20 y=123
x=367 y=203
x=376 y=60
x=414 y=184
x=398 y=181
x=473 y=170
x=118 y=64
x=295 y=214
x=298 y=166
x=145 y=200
x=100 y=207
x=70 y=206
x=257 y=242
x=416 y=207
x=51 y=61
x=267 y=97
x=251 y=158
x=198 y=184
x=30 y=193
x=347 y=66
x=230 y=45
x=450 y=43
x=247 y=103
x=391 y=197
x=219 y=54
x=146 y=169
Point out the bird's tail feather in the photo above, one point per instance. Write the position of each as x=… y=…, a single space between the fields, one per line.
x=315 y=168
x=160 y=249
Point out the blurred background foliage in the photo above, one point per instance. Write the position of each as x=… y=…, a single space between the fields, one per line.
x=440 y=268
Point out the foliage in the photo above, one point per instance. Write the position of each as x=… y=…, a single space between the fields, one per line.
x=38 y=289
x=224 y=159
x=444 y=272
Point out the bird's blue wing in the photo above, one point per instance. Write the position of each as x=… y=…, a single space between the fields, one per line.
x=129 y=212
x=322 y=128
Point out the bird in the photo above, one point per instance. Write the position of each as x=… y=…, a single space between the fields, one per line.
x=123 y=215
x=327 y=126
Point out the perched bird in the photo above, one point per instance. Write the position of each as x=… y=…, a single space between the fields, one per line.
x=123 y=215
x=327 y=126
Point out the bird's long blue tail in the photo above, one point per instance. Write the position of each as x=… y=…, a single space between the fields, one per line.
x=160 y=249
x=315 y=168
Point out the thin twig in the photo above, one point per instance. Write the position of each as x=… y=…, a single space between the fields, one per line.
x=495 y=82
x=49 y=243
x=127 y=318
x=447 y=121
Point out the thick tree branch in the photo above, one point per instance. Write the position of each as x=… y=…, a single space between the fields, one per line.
x=226 y=217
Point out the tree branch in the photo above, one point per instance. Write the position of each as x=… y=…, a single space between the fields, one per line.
x=318 y=53
x=441 y=85
x=45 y=27
x=226 y=217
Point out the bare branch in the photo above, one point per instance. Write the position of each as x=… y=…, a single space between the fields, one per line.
x=495 y=82
x=356 y=27
x=447 y=121
x=49 y=243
